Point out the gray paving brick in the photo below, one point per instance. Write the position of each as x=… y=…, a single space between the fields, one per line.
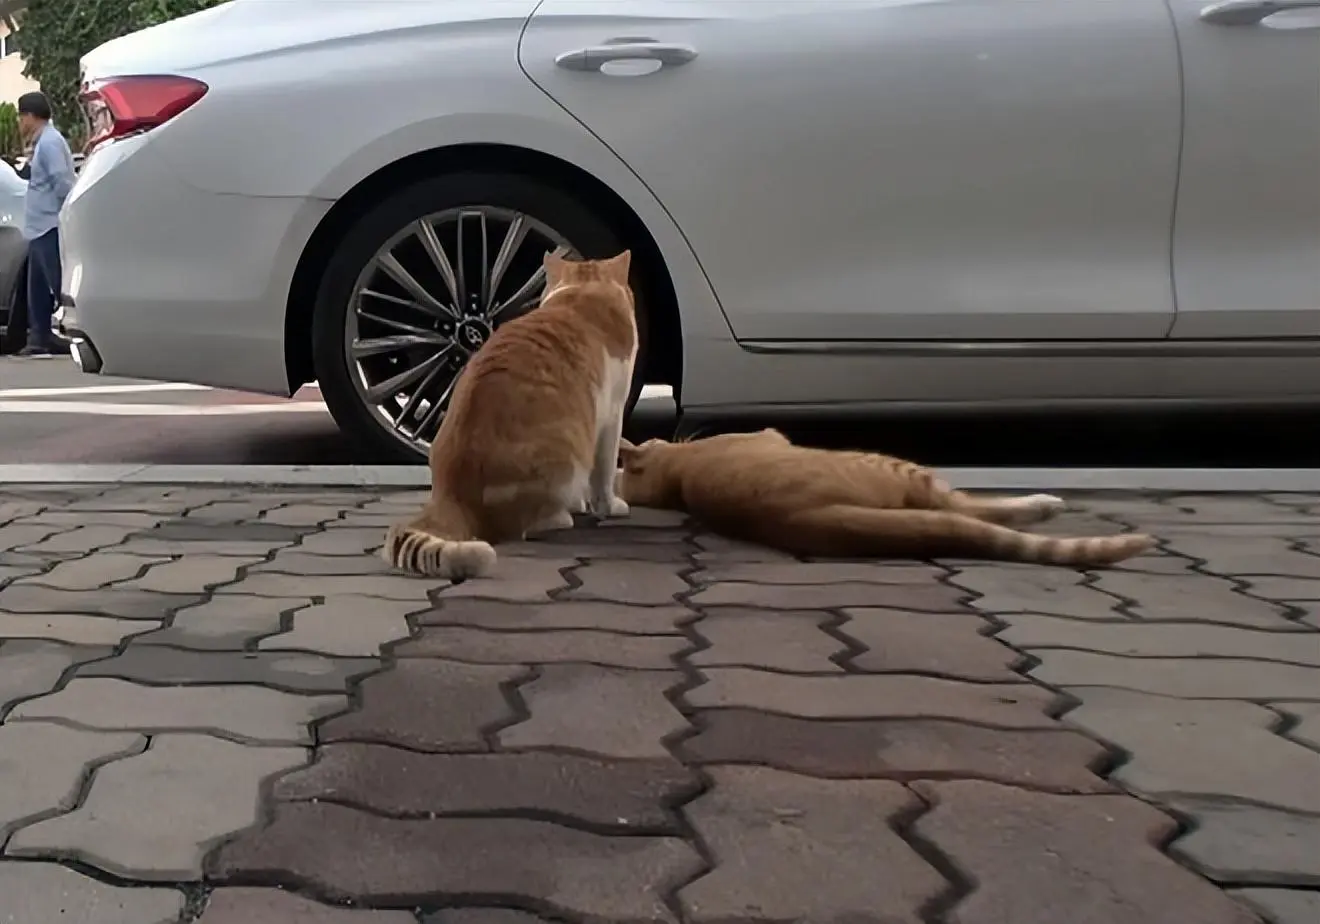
x=192 y=574
x=95 y=571
x=224 y=547
x=23 y=535
x=633 y=582
x=610 y=617
x=348 y=624
x=339 y=540
x=1238 y=843
x=1034 y=590
x=42 y=767
x=873 y=696
x=786 y=640
x=833 y=572
x=715 y=550
x=274 y=906
x=1224 y=508
x=198 y=531
x=1307 y=729
x=225 y=623
x=481 y=646
x=234 y=511
x=1200 y=597
x=73 y=628
x=1284 y=589
x=516 y=580
x=1192 y=678
x=211 y=789
x=133 y=520
x=382 y=586
x=946 y=644
x=244 y=712
x=1042 y=858
x=81 y=540
x=598 y=710
x=933 y=598
x=1165 y=640
x=1282 y=906
x=1185 y=748
x=36 y=893
x=17 y=509
x=119 y=603
x=429 y=705
x=482 y=916
x=302 y=515
x=790 y=848
x=29 y=667
x=1242 y=556
x=297 y=672
x=296 y=561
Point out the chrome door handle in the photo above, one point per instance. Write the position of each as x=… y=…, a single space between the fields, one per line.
x=1251 y=12
x=628 y=49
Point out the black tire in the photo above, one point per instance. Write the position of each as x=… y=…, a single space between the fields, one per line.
x=583 y=229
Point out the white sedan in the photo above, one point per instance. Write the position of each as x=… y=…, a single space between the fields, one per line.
x=854 y=205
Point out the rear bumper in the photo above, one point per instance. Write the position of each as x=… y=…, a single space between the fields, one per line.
x=173 y=283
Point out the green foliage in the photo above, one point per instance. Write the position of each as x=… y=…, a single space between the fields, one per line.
x=11 y=139
x=55 y=34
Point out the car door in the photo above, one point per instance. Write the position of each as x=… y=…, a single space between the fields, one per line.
x=883 y=169
x=1246 y=254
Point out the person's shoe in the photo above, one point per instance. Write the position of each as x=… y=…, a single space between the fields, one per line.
x=36 y=349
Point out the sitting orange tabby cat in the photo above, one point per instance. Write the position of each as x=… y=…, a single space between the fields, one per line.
x=761 y=488
x=532 y=433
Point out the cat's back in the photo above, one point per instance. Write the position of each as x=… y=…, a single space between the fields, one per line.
x=766 y=472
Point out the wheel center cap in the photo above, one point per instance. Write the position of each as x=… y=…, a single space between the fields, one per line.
x=472 y=334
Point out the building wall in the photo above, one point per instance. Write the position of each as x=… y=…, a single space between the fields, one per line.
x=12 y=82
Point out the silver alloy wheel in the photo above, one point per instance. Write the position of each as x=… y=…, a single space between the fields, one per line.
x=429 y=299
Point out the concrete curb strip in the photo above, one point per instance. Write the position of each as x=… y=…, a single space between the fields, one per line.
x=391 y=476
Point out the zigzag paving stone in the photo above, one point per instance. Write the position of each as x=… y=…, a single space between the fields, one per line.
x=429 y=705
x=947 y=644
x=934 y=598
x=610 y=617
x=225 y=623
x=29 y=667
x=1159 y=597
x=297 y=561
x=342 y=541
x=902 y=750
x=398 y=783
x=43 y=893
x=120 y=604
x=822 y=573
x=198 y=531
x=1240 y=843
x=347 y=624
x=42 y=767
x=604 y=880
x=244 y=712
x=22 y=535
x=193 y=574
x=601 y=710
x=790 y=848
x=1284 y=589
x=1282 y=906
x=1191 y=678
x=785 y=640
x=482 y=916
x=874 y=696
x=383 y=586
x=1162 y=640
x=717 y=550
x=1040 y=858
x=275 y=906
x=1201 y=748
x=1224 y=555
x=1034 y=590
x=1307 y=729
x=81 y=540
x=516 y=580
x=302 y=515
x=153 y=816
x=481 y=646
x=73 y=628
x=636 y=582
x=296 y=672
x=94 y=571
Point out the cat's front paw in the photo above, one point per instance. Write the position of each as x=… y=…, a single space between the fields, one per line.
x=609 y=506
x=1045 y=505
x=619 y=507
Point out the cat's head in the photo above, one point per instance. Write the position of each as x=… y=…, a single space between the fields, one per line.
x=561 y=272
x=647 y=478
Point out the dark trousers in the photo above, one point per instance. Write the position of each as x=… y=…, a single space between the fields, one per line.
x=43 y=286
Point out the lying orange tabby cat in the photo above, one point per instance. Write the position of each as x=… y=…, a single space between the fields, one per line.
x=761 y=488
x=532 y=433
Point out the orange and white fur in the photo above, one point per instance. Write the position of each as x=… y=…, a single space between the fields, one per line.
x=759 y=487
x=532 y=433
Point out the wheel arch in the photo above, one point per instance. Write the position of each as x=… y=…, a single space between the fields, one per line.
x=665 y=335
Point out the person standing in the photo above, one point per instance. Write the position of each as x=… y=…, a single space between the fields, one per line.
x=51 y=179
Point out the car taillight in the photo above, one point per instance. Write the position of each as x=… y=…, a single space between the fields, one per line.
x=121 y=106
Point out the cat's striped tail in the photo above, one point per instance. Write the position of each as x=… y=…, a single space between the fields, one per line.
x=411 y=548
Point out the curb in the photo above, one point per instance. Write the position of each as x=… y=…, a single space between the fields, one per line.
x=1182 y=480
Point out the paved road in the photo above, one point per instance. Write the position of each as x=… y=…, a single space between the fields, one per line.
x=53 y=413
x=218 y=706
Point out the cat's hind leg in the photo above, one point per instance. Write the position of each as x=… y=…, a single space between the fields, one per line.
x=1008 y=511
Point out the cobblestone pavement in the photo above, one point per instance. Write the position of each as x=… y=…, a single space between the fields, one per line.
x=219 y=707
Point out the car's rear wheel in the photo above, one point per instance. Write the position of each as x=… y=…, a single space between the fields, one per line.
x=417 y=285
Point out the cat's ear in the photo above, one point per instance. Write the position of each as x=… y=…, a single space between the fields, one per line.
x=619 y=266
